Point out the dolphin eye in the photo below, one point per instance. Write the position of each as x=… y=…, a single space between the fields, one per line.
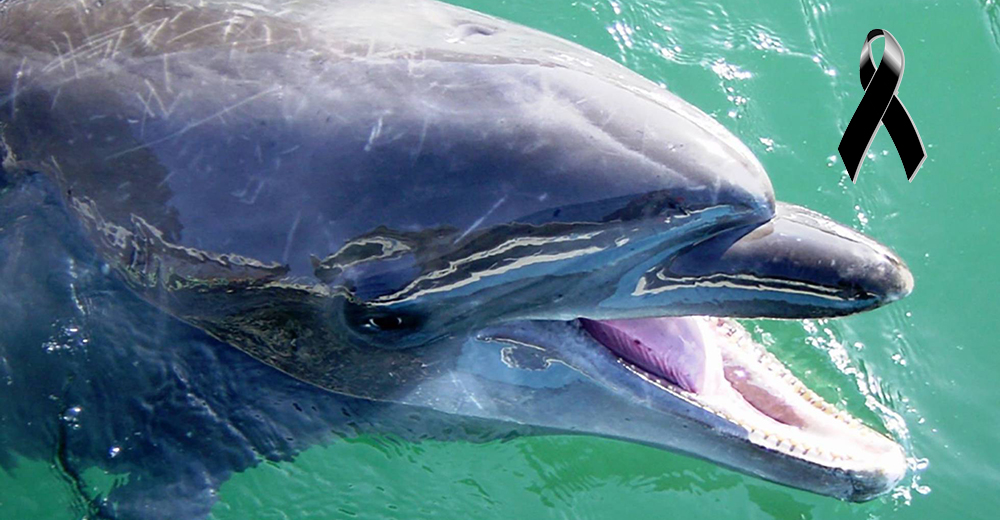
x=386 y=323
x=398 y=323
x=386 y=327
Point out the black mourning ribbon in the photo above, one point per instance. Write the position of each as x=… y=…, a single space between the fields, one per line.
x=880 y=104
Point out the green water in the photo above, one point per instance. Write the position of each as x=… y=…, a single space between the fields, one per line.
x=782 y=75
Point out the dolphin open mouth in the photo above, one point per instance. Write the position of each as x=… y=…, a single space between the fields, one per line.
x=714 y=364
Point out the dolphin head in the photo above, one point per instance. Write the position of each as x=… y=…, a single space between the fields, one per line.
x=641 y=345
x=613 y=315
x=567 y=329
x=426 y=206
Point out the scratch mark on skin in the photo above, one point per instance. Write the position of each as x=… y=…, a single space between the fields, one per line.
x=480 y=220
x=252 y=198
x=229 y=28
x=376 y=131
x=166 y=179
x=420 y=143
x=202 y=28
x=461 y=386
x=16 y=87
x=58 y=167
x=164 y=109
x=19 y=240
x=642 y=142
x=185 y=10
x=72 y=55
x=109 y=40
x=224 y=121
x=239 y=35
x=149 y=33
x=146 y=112
x=55 y=98
x=303 y=104
x=58 y=61
x=267 y=34
x=166 y=75
x=253 y=7
x=80 y=13
x=118 y=42
x=102 y=36
x=265 y=45
x=90 y=52
x=291 y=237
x=190 y=126
x=142 y=11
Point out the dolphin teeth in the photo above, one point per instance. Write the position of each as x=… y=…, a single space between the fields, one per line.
x=792 y=419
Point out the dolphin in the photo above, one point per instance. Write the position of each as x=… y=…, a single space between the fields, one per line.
x=410 y=203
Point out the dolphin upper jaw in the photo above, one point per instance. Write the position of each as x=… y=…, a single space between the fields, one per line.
x=800 y=264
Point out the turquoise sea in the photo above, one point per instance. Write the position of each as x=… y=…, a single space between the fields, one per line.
x=783 y=76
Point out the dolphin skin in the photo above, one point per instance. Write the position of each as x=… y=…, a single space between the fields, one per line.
x=411 y=204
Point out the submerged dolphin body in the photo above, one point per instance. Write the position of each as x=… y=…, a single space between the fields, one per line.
x=412 y=203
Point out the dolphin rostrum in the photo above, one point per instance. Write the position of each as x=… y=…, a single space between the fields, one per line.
x=409 y=202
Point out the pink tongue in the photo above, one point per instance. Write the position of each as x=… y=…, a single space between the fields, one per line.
x=678 y=349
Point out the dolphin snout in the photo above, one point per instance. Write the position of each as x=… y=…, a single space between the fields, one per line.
x=896 y=281
x=800 y=264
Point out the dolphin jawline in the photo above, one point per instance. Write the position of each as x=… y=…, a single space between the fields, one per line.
x=713 y=365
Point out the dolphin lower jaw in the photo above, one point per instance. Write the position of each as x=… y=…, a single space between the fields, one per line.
x=759 y=418
x=780 y=414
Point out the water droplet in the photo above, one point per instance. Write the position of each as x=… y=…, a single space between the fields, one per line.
x=729 y=71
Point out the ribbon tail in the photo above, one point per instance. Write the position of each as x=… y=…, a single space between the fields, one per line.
x=905 y=137
x=850 y=152
x=864 y=123
x=859 y=134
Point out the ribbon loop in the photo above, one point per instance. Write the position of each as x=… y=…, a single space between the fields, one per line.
x=881 y=105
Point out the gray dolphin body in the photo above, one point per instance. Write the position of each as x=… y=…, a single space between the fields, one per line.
x=413 y=203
